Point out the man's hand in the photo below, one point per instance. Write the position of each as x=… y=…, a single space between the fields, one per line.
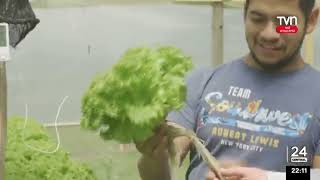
x=240 y=173
x=155 y=145
x=154 y=162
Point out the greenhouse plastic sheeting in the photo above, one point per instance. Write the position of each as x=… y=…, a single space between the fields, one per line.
x=20 y=17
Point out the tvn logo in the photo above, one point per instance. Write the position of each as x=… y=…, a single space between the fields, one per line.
x=288 y=24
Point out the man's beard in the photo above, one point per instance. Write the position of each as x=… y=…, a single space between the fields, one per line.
x=281 y=63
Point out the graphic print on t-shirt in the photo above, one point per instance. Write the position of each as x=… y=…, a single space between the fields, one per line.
x=233 y=119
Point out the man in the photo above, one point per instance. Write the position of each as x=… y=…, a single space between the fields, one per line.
x=250 y=111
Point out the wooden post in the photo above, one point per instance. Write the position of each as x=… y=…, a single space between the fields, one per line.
x=309 y=54
x=309 y=49
x=217 y=33
x=3 y=117
x=217 y=27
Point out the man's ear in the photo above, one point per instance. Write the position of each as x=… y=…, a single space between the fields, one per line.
x=312 y=20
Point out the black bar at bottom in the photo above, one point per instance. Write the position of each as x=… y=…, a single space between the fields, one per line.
x=298 y=172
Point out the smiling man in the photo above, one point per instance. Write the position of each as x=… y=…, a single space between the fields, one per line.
x=270 y=50
x=253 y=111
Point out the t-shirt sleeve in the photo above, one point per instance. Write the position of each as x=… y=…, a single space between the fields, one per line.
x=318 y=148
x=317 y=142
x=316 y=134
x=195 y=82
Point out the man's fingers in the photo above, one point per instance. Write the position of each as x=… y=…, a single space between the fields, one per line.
x=232 y=163
x=233 y=172
x=211 y=176
x=232 y=178
x=162 y=146
x=229 y=174
x=151 y=144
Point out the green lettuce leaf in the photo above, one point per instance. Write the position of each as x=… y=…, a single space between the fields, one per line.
x=129 y=101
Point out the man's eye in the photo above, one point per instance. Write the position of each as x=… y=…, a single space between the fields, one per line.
x=257 y=19
x=277 y=22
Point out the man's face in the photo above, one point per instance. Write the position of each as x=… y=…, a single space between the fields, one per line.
x=270 y=49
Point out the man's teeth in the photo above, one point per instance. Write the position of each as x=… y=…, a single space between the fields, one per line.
x=270 y=47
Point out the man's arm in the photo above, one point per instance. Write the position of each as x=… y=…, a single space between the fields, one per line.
x=154 y=163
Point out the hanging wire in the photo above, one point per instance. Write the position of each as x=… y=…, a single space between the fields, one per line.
x=55 y=125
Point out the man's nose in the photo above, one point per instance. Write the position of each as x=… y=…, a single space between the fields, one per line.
x=269 y=33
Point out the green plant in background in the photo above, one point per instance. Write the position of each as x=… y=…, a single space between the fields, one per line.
x=24 y=163
x=129 y=101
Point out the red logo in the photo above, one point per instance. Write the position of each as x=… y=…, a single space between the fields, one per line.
x=287 y=24
x=287 y=29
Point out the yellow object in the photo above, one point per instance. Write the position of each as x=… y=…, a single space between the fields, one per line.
x=309 y=49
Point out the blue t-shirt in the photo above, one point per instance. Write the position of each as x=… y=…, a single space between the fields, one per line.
x=248 y=115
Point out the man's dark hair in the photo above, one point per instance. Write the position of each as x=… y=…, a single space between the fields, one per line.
x=306 y=7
